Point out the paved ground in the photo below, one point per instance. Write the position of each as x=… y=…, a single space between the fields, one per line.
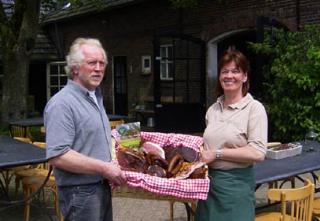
x=125 y=209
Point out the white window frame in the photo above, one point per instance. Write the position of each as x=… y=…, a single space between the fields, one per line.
x=164 y=73
x=61 y=73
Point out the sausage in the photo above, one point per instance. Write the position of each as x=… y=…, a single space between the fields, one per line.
x=175 y=164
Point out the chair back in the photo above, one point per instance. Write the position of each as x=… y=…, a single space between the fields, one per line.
x=18 y=131
x=42 y=145
x=114 y=123
x=296 y=203
x=23 y=139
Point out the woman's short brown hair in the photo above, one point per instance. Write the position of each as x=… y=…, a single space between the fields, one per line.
x=241 y=62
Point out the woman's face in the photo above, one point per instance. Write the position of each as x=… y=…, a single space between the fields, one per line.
x=231 y=78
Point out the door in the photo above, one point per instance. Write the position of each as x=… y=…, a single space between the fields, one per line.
x=120 y=85
x=179 y=83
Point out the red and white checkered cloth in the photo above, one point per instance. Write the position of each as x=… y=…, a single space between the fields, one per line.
x=185 y=188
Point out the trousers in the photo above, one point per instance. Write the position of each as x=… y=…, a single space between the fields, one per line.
x=86 y=202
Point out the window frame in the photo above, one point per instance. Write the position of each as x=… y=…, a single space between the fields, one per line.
x=61 y=73
x=165 y=75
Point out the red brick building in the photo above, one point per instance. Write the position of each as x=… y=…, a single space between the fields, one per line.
x=164 y=59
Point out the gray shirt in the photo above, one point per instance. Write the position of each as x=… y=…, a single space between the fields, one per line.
x=74 y=121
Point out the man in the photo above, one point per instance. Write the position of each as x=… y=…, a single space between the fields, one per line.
x=78 y=137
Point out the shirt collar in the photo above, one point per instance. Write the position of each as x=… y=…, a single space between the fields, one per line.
x=239 y=105
x=81 y=89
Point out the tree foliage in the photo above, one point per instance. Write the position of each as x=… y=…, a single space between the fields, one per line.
x=292 y=81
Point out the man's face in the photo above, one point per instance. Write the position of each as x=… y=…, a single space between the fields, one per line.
x=91 y=70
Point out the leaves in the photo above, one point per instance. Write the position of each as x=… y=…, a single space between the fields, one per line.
x=291 y=90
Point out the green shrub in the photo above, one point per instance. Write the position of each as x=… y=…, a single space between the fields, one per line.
x=292 y=77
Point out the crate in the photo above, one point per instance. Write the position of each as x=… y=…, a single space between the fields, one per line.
x=296 y=149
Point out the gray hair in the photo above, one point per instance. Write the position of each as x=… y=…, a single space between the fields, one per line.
x=75 y=55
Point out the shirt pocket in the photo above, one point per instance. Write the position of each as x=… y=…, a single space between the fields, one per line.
x=237 y=135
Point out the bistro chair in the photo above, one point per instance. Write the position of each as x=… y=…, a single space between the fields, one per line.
x=18 y=131
x=43 y=130
x=32 y=180
x=32 y=184
x=114 y=123
x=296 y=204
x=316 y=208
x=316 y=205
x=30 y=171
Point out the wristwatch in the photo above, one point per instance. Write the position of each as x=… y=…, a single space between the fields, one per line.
x=218 y=153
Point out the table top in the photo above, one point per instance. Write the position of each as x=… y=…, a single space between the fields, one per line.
x=17 y=153
x=28 y=122
x=271 y=170
x=117 y=117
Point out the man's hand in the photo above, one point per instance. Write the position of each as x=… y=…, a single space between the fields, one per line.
x=114 y=174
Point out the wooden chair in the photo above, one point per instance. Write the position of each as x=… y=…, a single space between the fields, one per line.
x=296 y=204
x=18 y=131
x=32 y=179
x=316 y=204
x=32 y=184
x=316 y=208
x=43 y=130
x=30 y=171
x=114 y=123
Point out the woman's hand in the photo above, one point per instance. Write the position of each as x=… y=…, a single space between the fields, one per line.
x=208 y=156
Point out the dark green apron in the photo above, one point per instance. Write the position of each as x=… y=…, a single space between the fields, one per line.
x=231 y=196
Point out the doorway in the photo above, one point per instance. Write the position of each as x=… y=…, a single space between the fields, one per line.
x=120 y=85
x=179 y=83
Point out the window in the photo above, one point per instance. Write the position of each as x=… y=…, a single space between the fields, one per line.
x=166 y=65
x=56 y=78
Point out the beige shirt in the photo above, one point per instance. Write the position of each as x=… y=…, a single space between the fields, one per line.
x=236 y=126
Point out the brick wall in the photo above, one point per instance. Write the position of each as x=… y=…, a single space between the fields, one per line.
x=128 y=31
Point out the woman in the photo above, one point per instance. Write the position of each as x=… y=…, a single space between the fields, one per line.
x=235 y=138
